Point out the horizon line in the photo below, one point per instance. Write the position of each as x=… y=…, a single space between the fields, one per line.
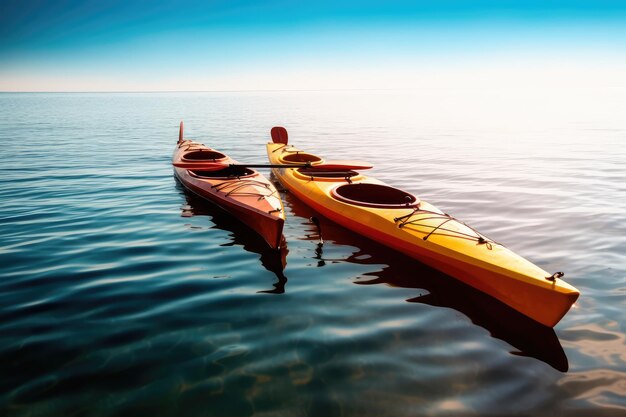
x=285 y=90
x=206 y=91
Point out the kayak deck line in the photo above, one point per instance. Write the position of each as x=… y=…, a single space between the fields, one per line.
x=422 y=231
x=235 y=187
x=477 y=237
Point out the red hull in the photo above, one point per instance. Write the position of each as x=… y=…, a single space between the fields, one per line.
x=246 y=194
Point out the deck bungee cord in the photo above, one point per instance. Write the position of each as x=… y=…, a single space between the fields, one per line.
x=477 y=237
x=243 y=183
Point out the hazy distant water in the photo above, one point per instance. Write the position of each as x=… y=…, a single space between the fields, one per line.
x=122 y=295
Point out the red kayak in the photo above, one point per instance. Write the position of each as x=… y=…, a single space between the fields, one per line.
x=240 y=190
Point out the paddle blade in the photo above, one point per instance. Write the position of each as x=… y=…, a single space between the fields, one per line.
x=279 y=135
x=341 y=165
x=202 y=166
x=180 y=132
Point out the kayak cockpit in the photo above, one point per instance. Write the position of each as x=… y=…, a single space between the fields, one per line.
x=300 y=157
x=203 y=155
x=374 y=195
x=229 y=172
x=317 y=173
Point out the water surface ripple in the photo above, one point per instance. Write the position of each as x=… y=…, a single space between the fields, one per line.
x=121 y=294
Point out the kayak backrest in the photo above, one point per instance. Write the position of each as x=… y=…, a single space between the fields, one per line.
x=279 y=135
x=374 y=195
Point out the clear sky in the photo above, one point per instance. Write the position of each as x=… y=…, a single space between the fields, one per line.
x=143 y=45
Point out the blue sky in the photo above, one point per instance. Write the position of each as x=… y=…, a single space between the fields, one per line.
x=71 y=45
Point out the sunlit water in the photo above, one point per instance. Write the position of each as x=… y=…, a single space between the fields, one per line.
x=122 y=295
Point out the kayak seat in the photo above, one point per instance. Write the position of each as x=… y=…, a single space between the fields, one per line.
x=374 y=195
x=300 y=157
x=203 y=155
x=228 y=172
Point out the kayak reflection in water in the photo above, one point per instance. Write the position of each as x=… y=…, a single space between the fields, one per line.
x=274 y=260
x=437 y=289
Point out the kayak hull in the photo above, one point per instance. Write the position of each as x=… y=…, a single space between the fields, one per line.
x=244 y=193
x=454 y=248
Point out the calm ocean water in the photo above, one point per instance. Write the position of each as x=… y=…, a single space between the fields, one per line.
x=123 y=295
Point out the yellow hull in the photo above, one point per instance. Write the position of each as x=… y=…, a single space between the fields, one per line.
x=425 y=233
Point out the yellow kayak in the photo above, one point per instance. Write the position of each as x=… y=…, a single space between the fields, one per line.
x=418 y=229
